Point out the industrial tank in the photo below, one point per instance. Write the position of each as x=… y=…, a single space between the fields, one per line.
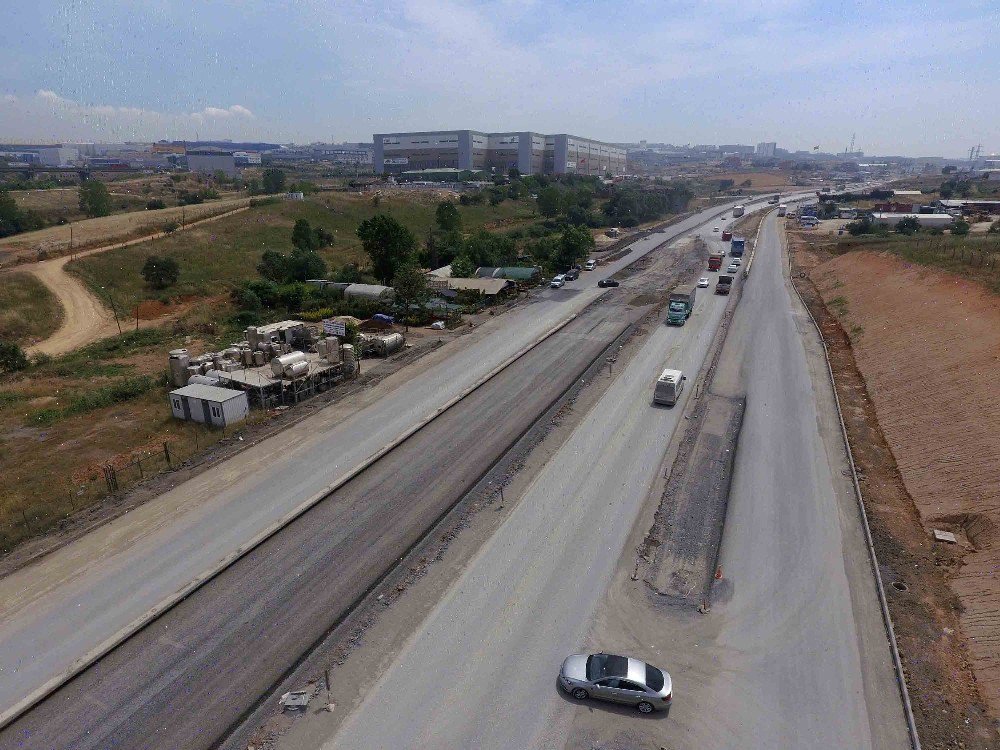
x=388 y=344
x=350 y=361
x=297 y=370
x=179 y=361
x=280 y=364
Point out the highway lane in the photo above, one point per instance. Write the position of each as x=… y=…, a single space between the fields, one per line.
x=183 y=680
x=480 y=670
x=55 y=612
x=793 y=654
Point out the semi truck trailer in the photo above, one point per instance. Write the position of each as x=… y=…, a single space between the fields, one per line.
x=739 y=211
x=726 y=235
x=715 y=261
x=782 y=210
x=737 y=246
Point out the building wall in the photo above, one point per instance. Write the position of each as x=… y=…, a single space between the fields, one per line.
x=212 y=163
x=530 y=153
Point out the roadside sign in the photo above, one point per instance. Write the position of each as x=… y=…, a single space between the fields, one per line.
x=335 y=328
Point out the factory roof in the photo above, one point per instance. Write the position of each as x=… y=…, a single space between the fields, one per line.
x=486 y=286
x=207 y=392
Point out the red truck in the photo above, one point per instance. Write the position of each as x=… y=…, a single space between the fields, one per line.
x=715 y=261
x=726 y=235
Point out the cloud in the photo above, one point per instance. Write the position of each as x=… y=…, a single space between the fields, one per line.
x=49 y=114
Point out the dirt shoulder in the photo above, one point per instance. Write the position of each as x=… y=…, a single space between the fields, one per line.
x=910 y=350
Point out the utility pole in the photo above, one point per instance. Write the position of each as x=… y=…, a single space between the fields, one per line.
x=114 y=309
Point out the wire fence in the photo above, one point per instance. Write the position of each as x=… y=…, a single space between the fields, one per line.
x=101 y=484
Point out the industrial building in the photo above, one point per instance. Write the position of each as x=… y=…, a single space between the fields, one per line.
x=47 y=155
x=766 y=150
x=473 y=150
x=212 y=160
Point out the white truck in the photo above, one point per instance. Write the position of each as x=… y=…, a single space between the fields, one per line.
x=738 y=211
x=782 y=209
x=668 y=388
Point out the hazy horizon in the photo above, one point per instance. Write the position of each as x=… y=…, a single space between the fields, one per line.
x=908 y=80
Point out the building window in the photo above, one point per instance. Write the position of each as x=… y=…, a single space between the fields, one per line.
x=216 y=412
x=177 y=404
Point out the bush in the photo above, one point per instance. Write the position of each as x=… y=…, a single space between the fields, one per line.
x=960 y=228
x=155 y=205
x=160 y=273
x=908 y=225
x=12 y=357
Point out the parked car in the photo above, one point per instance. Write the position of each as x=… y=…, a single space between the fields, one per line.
x=733 y=268
x=607 y=282
x=572 y=274
x=703 y=282
x=558 y=281
x=590 y=265
x=618 y=679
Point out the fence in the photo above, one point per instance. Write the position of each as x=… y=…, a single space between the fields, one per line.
x=101 y=484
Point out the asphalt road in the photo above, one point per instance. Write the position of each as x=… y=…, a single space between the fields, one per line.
x=480 y=671
x=67 y=606
x=793 y=653
x=184 y=680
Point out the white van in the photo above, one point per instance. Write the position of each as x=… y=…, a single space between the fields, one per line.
x=558 y=281
x=669 y=386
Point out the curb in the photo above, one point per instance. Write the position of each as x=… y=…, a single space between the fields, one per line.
x=873 y=558
x=47 y=688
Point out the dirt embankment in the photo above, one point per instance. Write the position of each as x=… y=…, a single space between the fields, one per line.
x=916 y=354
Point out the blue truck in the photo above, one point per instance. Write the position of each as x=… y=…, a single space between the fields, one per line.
x=737 y=246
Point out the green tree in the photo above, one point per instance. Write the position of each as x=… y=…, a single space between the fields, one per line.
x=303 y=236
x=389 y=244
x=94 y=198
x=300 y=265
x=908 y=225
x=550 y=201
x=410 y=285
x=447 y=217
x=994 y=227
x=462 y=267
x=960 y=228
x=12 y=357
x=155 y=205
x=13 y=220
x=273 y=181
x=574 y=245
x=159 y=272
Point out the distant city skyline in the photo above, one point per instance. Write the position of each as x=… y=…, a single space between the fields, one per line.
x=797 y=72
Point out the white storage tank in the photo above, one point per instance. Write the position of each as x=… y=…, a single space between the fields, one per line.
x=350 y=360
x=297 y=370
x=179 y=361
x=203 y=380
x=191 y=371
x=259 y=359
x=389 y=344
x=280 y=364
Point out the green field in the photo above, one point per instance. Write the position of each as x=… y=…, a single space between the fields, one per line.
x=28 y=310
x=217 y=255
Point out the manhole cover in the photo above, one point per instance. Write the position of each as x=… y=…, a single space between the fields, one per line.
x=900 y=586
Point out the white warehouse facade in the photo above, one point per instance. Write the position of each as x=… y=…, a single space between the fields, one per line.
x=528 y=152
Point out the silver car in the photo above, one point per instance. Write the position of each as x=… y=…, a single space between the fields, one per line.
x=618 y=679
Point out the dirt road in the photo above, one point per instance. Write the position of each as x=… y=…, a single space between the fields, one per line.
x=86 y=318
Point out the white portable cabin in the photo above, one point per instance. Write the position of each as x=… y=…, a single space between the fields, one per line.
x=209 y=404
x=668 y=387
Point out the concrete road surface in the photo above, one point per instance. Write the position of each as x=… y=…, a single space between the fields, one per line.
x=793 y=654
x=69 y=605
x=481 y=670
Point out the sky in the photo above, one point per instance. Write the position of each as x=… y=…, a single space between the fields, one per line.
x=910 y=78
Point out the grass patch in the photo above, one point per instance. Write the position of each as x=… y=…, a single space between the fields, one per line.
x=28 y=310
x=9 y=397
x=215 y=257
x=840 y=303
x=100 y=397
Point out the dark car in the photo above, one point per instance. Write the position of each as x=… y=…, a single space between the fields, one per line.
x=607 y=282
x=572 y=274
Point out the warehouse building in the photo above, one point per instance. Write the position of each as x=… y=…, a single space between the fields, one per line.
x=212 y=160
x=473 y=150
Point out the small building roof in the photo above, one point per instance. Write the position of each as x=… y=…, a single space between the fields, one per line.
x=444 y=271
x=368 y=291
x=207 y=392
x=488 y=287
x=906 y=192
x=516 y=273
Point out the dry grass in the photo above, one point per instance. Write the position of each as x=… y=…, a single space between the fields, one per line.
x=28 y=310
x=105 y=230
x=60 y=205
x=758 y=180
